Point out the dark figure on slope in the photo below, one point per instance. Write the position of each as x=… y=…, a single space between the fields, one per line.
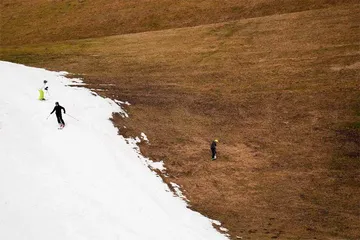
x=57 y=110
x=213 y=149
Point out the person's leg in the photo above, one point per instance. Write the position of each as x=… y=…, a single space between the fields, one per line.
x=58 y=119
x=213 y=151
x=41 y=94
x=62 y=121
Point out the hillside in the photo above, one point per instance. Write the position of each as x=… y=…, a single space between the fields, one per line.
x=279 y=91
x=35 y=21
x=52 y=187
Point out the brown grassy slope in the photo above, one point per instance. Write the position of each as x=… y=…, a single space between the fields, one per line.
x=280 y=92
x=24 y=21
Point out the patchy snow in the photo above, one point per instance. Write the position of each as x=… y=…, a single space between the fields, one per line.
x=121 y=102
x=216 y=222
x=157 y=165
x=82 y=182
x=144 y=137
x=178 y=191
x=122 y=112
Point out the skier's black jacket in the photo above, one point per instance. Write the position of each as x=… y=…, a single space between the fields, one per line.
x=57 y=110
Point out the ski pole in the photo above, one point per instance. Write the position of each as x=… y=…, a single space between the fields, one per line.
x=48 y=116
x=72 y=117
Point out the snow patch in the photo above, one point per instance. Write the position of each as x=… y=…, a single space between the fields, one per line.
x=216 y=222
x=224 y=229
x=122 y=112
x=178 y=191
x=122 y=103
x=144 y=137
x=157 y=165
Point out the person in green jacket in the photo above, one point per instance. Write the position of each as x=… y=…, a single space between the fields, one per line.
x=41 y=91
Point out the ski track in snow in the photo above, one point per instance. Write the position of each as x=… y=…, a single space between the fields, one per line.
x=82 y=182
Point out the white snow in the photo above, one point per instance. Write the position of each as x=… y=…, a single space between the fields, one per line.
x=224 y=229
x=82 y=182
x=156 y=165
x=216 y=222
x=144 y=137
x=178 y=192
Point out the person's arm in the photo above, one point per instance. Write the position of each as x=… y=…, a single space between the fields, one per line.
x=64 y=110
x=53 y=110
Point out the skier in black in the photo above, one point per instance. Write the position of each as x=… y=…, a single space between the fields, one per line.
x=57 y=110
x=213 y=149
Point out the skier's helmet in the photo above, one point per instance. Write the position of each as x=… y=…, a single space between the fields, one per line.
x=57 y=103
x=216 y=140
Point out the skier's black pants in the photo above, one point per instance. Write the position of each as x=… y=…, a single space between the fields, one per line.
x=213 y=151
x=59 y=119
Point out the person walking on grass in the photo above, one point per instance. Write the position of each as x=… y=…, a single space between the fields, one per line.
x=213 y=149
x=57 y=109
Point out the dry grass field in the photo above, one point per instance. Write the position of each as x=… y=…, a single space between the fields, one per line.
x=280 y=92
x=36 y=21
